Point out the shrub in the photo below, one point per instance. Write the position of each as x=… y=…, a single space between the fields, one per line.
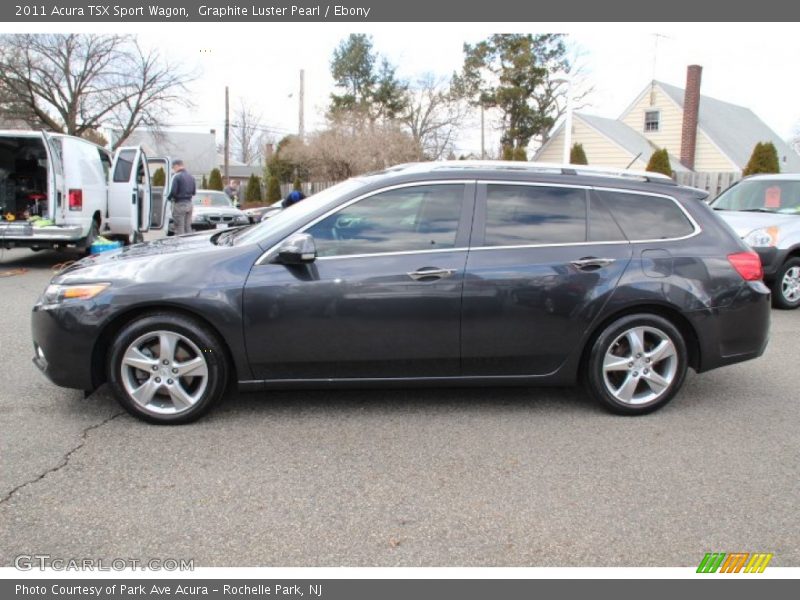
x=577 y=155
x=659 y=163
x=159 y=178
x=273 y=190
x=215 y=180
x=204 y=183
x=297 y=185
x=253 y=191
x=764 y=159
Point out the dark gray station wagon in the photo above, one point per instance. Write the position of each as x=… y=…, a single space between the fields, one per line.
x=461 y=273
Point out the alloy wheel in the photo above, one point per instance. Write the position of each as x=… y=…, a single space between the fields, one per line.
x=164 y=372
x=640 y=365
x=790 y=285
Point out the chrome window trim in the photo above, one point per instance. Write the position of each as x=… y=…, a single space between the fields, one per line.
x=696 y=227
x=466 y=181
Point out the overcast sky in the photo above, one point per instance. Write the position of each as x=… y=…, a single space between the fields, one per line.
x=754 y=65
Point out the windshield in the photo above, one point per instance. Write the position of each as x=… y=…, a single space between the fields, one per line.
x=776 y=195
x=216 y=199
x=255 y=233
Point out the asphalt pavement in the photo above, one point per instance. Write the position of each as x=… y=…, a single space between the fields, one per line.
x=479 y=477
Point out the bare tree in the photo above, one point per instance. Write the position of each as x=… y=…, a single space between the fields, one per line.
x=246 y=134
x=794 y=142
x=434 y=115
x=75 y=83
x=349 y=147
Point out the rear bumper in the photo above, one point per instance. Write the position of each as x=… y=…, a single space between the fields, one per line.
x=25 y=235
x=736 y=333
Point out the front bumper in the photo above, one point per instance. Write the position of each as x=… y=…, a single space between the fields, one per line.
x=737 y=332
x=771 y=259
x=63 y=344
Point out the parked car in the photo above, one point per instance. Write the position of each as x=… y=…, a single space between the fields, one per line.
x=59 y=190
x=213 y=210
x=435 y=274
x=261 y=213
x=765 y=211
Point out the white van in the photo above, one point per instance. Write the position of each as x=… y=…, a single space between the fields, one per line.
x=58 y=190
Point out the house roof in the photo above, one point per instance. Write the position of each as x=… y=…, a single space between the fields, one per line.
x=617 y=132
x=198 y=151
x=629 y=139
x=735 y=129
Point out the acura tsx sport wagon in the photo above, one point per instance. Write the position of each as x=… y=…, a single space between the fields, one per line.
x=461 y=273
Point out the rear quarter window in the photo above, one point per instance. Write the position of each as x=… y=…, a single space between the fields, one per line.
x=644 y=217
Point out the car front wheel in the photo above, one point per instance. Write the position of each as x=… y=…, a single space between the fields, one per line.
x=786 y=287
x=637 y=364
x=167 y=368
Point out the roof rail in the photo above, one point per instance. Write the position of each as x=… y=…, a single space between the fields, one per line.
x=536 y=167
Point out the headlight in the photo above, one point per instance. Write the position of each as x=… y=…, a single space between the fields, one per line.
x=57 y=294
x=761 y=238
x=198 y=218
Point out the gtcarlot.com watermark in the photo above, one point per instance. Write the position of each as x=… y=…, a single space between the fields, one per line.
x=43 y=562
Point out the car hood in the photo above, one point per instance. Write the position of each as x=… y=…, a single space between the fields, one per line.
x=745 y=222
x=122 y=263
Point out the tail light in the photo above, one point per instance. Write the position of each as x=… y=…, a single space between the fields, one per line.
x=76 y=199
x=747 y=264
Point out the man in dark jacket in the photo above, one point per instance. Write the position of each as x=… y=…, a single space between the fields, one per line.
x=181 y=192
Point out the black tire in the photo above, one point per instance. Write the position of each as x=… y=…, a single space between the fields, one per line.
x=779 y=299
x=672 y=368
x=196 y=340
x=94 y=232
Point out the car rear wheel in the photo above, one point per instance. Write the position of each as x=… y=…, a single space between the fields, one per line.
x=167 y=368
x=786 y=287
x=637 y=364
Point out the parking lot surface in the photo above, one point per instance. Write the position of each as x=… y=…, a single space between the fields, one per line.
x=479 y=477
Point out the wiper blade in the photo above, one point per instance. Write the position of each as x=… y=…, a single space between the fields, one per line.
x=761 y=210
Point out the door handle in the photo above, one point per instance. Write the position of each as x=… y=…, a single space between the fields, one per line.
x=590 y=262
x=430 y=273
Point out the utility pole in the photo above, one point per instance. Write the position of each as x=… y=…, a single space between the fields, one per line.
x=301 y=128
x=227 y=136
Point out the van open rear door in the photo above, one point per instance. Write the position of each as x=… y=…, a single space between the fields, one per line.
x=129 y=194
x=55 y=179
x=161 y=177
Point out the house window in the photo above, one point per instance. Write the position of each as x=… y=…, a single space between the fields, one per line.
x=651 y=120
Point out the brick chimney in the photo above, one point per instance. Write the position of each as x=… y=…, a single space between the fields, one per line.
x=691 y=108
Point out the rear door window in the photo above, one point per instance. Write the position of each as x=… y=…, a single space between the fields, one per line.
x=519 y=215
x=124 y=168
x=645 y=217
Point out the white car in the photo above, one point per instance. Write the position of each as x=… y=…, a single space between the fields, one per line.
x=765 y=211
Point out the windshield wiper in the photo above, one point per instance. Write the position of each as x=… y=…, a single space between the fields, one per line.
x=761 y=210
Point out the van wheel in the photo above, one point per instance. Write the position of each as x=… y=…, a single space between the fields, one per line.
x=94 y=232
x=167 y=369
x=786 y=287
x=637 y=364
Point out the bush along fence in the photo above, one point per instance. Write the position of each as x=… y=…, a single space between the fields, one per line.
x=713 y=182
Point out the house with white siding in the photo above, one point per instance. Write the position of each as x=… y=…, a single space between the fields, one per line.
x=701 y=134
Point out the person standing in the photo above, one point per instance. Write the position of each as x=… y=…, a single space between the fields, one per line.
x=232 y=190
x=180 y=193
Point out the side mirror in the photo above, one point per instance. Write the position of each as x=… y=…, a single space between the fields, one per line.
x=298 y=249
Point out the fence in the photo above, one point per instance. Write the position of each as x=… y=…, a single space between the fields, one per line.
x=713 y=182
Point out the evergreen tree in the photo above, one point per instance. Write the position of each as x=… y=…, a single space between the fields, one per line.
x=159 y=178
x=764 y=159
x=577 y=155
x=215 y=180
x=273 y=190
x=204 y=183
x=253 y=191
x=659 y=163
x=297 y=185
